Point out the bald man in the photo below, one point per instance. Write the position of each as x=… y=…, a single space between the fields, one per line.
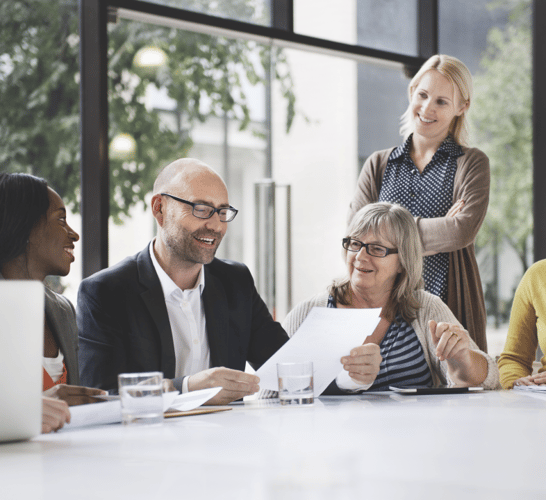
x=174 y=307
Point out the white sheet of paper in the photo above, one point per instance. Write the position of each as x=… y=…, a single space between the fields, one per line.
x=109 y=412
x=531 y=388
x=324 y=337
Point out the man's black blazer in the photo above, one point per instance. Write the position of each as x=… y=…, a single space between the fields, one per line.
x=124 y=327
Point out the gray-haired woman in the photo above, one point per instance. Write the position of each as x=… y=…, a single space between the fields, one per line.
x=418 y=340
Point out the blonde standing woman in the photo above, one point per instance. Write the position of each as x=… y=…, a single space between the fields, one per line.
x=442 y=182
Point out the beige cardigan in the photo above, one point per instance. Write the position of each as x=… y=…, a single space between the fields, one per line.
x=432 y=307
x=455 y=235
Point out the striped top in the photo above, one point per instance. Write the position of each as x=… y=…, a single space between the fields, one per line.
x=403 y=362
x=428 y=194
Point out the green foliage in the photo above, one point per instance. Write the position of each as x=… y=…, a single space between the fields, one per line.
x=502 y=126
x=39 y=122
x=39 y=75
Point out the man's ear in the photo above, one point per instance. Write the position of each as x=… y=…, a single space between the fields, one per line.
x=157 y=208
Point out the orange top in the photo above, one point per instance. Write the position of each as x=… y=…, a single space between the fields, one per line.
x=48 y=381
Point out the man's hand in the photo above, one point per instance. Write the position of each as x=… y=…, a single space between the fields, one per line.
x=168 y=385
x=55 y=414
x=363 y=363
x=235 y=384
x=74 y=394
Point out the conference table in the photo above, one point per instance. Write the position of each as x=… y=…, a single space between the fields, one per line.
x=378 y=446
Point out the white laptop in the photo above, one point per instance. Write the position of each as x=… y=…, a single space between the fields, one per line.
x=21 y=351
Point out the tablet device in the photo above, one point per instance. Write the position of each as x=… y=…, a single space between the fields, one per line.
x=433 y=390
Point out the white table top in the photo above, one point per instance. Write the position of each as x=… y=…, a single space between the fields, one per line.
x=369 y=446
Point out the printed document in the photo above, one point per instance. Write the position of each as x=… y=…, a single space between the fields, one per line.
x=324 y=337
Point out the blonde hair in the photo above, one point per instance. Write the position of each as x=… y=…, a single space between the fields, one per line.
x=397 y=225
x=461 y=80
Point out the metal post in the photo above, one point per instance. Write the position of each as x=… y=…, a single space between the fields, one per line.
x=265 y=241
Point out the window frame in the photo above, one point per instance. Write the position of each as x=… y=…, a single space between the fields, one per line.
x=94 y=17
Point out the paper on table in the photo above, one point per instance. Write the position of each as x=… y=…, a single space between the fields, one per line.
x=324 y=337
x=532 y=388
x=109 y=412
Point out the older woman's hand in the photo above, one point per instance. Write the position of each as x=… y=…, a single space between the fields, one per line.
x=465 y=366
x=363 y=363
x=451 y=340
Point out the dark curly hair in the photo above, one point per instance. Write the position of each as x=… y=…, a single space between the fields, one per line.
x=24 y=201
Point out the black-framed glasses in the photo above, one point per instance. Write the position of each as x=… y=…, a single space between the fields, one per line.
x=371 y=248
x=205 y=211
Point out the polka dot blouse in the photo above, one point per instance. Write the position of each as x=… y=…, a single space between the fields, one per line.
x=427 y=194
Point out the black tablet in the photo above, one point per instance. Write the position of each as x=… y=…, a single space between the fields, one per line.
x=433 y=390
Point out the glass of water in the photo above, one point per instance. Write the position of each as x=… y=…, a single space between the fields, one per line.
x=141 y=396
x=295 y=383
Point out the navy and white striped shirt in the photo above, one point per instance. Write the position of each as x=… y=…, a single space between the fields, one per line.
x=428 y=194
x=403 y=361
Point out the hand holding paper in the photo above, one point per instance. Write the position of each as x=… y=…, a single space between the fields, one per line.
x=324 y=337
x=363 y=363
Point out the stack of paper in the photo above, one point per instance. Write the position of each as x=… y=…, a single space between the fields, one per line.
x=109 y=412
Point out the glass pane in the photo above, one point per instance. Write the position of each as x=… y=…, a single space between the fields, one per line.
x=250 y=11
x=382 y=99
x=345 y=111
x=205 y=98
x=496 y=45
x=387 y=25
x=39 y=122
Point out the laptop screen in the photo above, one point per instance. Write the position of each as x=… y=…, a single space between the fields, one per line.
x=21 y=351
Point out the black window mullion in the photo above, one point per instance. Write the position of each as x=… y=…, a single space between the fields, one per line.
x=282 y=14
x=539 y=128
x=94 y=135
x=427 y=17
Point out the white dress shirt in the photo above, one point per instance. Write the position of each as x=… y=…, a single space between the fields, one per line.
x=188 y=325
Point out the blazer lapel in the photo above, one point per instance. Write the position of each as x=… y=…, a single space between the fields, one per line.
x=154 y=301
x=217 y=318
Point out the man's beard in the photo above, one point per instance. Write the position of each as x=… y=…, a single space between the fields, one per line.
x=183 y=245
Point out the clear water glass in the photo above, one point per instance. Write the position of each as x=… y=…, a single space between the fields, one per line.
x=141 y=396
x=295 y=383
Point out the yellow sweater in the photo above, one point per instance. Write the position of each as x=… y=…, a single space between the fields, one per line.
x=527 y=327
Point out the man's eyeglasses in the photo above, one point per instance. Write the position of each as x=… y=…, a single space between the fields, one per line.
x=371 y=248
x=205 y=211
